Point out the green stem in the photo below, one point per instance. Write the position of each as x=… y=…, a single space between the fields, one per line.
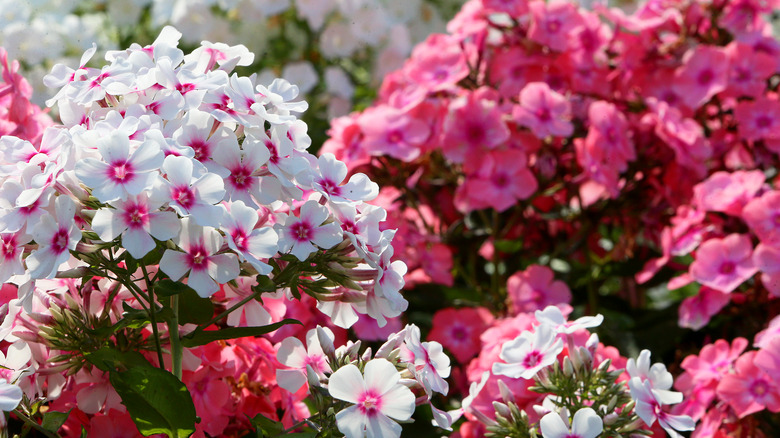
x=153 y=317
x=34 y=425
x=173 y=334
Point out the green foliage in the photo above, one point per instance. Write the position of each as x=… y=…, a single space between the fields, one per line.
x=198 y=338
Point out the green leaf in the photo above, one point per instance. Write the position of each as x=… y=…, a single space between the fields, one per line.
x=193 y=309
x=168 y=288
x=109 y=359
x=53 y=421
x=157 y=401
x=198 y=338
x=266 y=427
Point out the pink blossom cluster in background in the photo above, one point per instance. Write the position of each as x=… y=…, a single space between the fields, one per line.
x=625 y=154
x=18 y=116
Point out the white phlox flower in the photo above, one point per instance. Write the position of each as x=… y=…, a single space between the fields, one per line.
x=585 y=424
x=528 y=353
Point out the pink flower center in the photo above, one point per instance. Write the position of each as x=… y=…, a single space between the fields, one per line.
x=759 y=388
x=120 y=171
x=185 y=88
x=500 y=179
x=553 y=26
x=330 y=187
x=240 y=239
x=543 y=114
x=532 y=359
x=369 y=403
x=8 y=250
x=201 y=148
x=727 y=268
x=274 y=152
x=59 y=242
x=241 y=178
x=394 y=137
x=705 y=77
x=763 y=122
x=136 y=215
x=301 y=231
x=183 y=196
x=197 y=257
x=459 y=333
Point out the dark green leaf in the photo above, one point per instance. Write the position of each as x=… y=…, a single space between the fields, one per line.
x=157 y=401
x=193 y=309
x=109 y=359
x=197 y=338
x=53 y=421
x=167 y=288
x=266 y=427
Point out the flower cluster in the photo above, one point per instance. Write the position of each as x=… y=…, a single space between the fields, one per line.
x=18 y=116
x=176 y=192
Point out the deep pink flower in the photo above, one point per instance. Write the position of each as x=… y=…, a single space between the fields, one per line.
x=501 y=180
x=758 y=119
x=394 y=132
x=535 y=288
x=714 y=360
x=704 y=73
x=749 y=69
x=552 y=23
x=749 y=389
x=763 y=217
x=767 y=260
x=459 y=330
x=695 y=312
x=728 y=192
x=473 y=125
x=437 y=63
x=724 y=264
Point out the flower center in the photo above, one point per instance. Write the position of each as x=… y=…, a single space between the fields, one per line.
x=532 y=359
x=727 y=268
x=183 y=196
x=301 y=231
x=59 y=241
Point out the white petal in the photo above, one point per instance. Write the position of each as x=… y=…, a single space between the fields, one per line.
x=223 y=267
x=587 y=423
x=202 y=283
x=164 y=225
x=174 y=264
x=552 y=426
x=380 y=376
x=291 y=380
x=107 y=224
x=398 y=403
x=137 y=242
x=347 y=384
x=327 y=236
x=380 y=426
x=10 y=396
x=351 y=422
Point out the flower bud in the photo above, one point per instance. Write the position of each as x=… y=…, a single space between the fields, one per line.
x=502 y=410
x=568 y=368
x=506 y=393
x=366 y=355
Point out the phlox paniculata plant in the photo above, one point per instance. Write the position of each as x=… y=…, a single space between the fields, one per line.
x=172 y=200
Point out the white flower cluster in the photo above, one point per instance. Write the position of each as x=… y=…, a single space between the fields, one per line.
x=46 y=32
x=384 y=388
x=171 y=152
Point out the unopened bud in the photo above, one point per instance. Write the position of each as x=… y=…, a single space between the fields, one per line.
x=610 y=418
x=72 y=303
x=326 y=342
x=585 y=356
x=366 y=355
x=568 y=368
x=312 y=377
x=502 y=410
x=612 y=403
x=74 y=273
x=352 y=351
x=506 y=393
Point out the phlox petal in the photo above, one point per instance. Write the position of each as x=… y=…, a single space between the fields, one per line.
x=223 y=267
x=351 y=422
x=107 y=224
x=347 y=384
x=380 y=376
x=137 y=242
x=203 y=284
x=174 y=264
x=380 y=426
x=10 y=396
x=398 y=402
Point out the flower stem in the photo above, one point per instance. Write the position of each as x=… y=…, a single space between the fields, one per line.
x=173 y=334
x=29 y=421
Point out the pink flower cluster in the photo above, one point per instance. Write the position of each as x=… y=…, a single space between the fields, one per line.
x=18 y=116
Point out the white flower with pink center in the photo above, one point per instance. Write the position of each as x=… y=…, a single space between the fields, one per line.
x=11 y=251
x=196 y=132
x=293 y=354
x=23 y=202
x=10 y=396
x=648 y=407
x=242 y=182
x=137 y=219
x=250 y=243
x=429 y=364
x=55 y=237
x=299 y=235
x=552 y=316
x=585 y=424
x=528 y=353
x=377 y=396
x=191 y=190
x=200 y=258
x=120 y=174
x=330 y=176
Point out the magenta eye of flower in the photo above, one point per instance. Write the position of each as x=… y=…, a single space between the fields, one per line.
x=301 y=231
x=394 y=136
x=500 y=179
x=553 y=26
x=459 y=333
x=240 y=177
x=274 y=152
x=705 y=77
x=121 y=171
x=330 y=187
x=198 y=257
x=369 y=403
x=201 y=149
x=239 y=237
x=59 y=241
x=183 y=196
x=475 y=133
x=349 y=227
x=543 y=114
x=763 y=122
x=8 y=248
x=28 y=209
x=532 y=359
x=727 y=268
x=759 y=388
x=185 y=88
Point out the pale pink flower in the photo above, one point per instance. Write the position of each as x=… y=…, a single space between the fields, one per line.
x=552 y=23
x=724 y=264
x=767 y=260
x=439 y=62
x=299 y=235
x=543 y=111
x=763 y=217
x=252 y=313
x=765 y=336
x=535 y=288
x=394 y=132
x=137 y=219
x=649 y=404
x=585 y=424
x=768 y=359
x=429 y=363
x=749 y=389
x=528 y=353
x=200 y=259
x=474 y=124
x=377 y=396
x=695 y=312
x=458 y=330
x=293 y=354
x=728 y=192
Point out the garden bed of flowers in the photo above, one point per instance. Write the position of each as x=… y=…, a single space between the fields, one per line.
x=545 y=220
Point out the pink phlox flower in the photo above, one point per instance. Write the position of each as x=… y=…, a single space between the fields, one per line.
x=56 y=237
x=765 y=336
x=749 y=389
x=611 y=127
x=192 y=85
x=250 y=243
x=724 y=264
x=749 y=70
x=728 y=192
x=585 y=424
x=24 y=202
x=656 y=374
x=544 y=111
x=283 y=162
x=535 y=288
x=393 y=132
x=18 y=153
x=458 y=330
x=11 y=251
x=704 y=74
x=695 y=312
x=528 y=353
x=437 y=63
x=299 y=235
x=299 y=359
x=513 y=8
x=190 y=190
x=713 y=362
x=683 y=135
x=511 y=68
x=758 y=119
x=502 y=178
x=343 y=309
x=250 y=314
x=327 y=181
x=474 y=123
x=390 y=276
x=377 y=396
x=768 y=358
x=552 y=316
x=649 y=404
x=744 y=16
x=361 y=225
x=763 y=217
x=767 y=259
x=428 y=362
x=121 y=173
x=136 y=219
x=379 y=307
x=207 y=268
x=552 y=23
